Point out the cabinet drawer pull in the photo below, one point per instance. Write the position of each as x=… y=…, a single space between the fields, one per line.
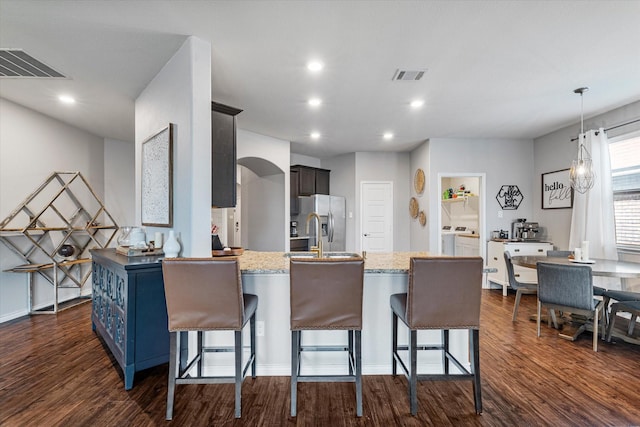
x=516 y=250
x=495 y=258
x=517 y=275
x=540 y=250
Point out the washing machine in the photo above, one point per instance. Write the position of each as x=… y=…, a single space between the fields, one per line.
x=448 y=236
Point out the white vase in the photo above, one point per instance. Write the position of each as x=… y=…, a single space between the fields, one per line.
x=171 y=247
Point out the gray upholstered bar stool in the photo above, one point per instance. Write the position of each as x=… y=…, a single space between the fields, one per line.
x=444 y=293
x=205 y=294
x=326 y=294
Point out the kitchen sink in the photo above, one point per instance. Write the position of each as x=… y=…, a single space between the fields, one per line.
x=333 y=255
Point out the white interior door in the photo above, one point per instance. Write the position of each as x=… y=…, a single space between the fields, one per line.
x=376 y=216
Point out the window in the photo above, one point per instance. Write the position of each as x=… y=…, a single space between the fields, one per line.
x=625 y=177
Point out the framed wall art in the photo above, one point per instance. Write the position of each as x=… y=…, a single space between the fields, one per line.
x=157 y=179
x=556 y=190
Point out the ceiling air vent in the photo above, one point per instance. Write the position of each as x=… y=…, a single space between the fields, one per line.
x=18 y=63
x=409 y=75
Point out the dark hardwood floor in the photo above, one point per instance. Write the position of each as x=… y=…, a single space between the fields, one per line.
x=54 y=371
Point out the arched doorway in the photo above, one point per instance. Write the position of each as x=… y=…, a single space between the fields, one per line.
x=262 y=197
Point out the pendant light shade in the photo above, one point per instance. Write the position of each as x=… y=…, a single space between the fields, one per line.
x=581 y=175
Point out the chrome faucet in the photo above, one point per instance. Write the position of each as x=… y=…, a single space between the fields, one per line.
x=318 y=248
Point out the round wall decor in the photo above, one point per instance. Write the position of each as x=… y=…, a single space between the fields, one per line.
x=422 y=218
x=413 y=207
x=418 y=181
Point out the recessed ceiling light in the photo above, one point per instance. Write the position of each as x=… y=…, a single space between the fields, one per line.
x=66 y=99
x=314 y=102
x=417 y=103
x=315 y=135
x=387 y=135
x=315 y=66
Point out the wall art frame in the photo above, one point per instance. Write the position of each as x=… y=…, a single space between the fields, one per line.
x=556 y=190
x=157 y=179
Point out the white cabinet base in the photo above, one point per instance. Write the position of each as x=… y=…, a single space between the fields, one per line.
x=495 y=259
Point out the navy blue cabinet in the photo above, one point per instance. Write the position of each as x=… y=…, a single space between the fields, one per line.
x=129 y=310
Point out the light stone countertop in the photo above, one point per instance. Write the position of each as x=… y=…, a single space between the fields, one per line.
x=255 y=262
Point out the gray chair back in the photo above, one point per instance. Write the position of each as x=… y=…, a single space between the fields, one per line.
x=559 y=254
x=203 y=294
x=444 y=293
x=568 y=285
x=513 y=282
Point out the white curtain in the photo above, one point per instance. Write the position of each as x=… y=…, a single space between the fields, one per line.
x=592 y=218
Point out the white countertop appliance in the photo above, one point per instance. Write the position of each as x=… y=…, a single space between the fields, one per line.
x=448 y=236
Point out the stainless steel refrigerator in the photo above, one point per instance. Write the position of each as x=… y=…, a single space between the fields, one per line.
x=332 y=212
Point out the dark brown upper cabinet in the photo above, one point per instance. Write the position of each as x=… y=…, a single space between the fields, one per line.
x=223 y=155
x=294 y=204
x=310 y=180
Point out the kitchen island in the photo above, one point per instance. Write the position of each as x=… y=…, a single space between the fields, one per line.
x=265 y=274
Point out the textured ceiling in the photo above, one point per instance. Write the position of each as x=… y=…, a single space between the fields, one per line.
x=496 y=69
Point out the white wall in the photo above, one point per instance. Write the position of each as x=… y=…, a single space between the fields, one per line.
x=555 y=151
x=32 y=146
x=300 y=159
x=343 y=183
x=262 y=213
x=419 y=240
x=392 y=167
x=505 y=162
x=181 y=94
x=119 y=178
x=265 y=199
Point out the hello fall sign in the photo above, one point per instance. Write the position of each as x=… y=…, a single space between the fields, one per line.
x=556 y=190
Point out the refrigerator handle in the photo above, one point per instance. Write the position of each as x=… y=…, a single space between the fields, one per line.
x=331 y=224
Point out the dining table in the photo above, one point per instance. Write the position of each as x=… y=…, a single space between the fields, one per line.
x=599 y=267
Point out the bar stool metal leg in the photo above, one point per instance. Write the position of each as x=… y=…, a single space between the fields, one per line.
x=413 y=377
x=358 y=373
x=200 y=352
x=295 y=367
x=474 y=346
x=252 y=327
x=445 y=344
x=394 y=343
x=350 y=350
x=174 y=344
x=238 y=357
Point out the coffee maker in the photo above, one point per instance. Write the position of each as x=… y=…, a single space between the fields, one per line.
x=524 y=231
x=293 y=229
x=516 y=228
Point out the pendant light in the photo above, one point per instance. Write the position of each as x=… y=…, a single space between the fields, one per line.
x=581 y=175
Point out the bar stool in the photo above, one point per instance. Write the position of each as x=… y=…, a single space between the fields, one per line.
x=205 y=294
x=444 y=293
x=326 y=294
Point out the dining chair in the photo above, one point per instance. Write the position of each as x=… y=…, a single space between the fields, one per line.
x=569 y=288
x=205 y=294
x=520 y=287
x=626 y=302
x=443 y=294
x=559 y=254
x=597 y=290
